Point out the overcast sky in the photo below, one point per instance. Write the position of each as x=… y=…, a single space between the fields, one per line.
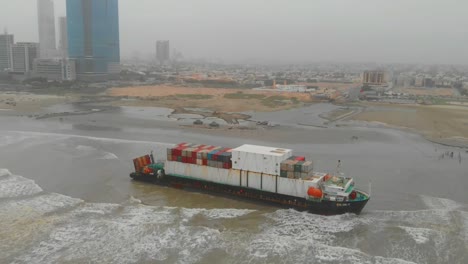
x=407 y=31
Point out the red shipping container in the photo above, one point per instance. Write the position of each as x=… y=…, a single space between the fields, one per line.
x=194 y=154
x=205 y=162
x=177 y=151
x=184 y=159
x=147 y=160
x=174 y=158
x=300 y=158
x=136 y=165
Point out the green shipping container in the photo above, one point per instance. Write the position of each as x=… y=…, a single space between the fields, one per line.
x=284 y=173
x=298 y=166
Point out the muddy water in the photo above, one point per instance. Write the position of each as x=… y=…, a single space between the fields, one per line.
x=65 y=196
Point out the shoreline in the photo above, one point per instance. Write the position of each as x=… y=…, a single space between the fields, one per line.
x=34 y=105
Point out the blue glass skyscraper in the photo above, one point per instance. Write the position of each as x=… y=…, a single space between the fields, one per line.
x=93 y=36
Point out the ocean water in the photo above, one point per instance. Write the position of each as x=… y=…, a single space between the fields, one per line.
x=65 y=197
x=44 y=227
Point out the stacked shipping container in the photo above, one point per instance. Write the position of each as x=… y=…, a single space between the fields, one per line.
x=296 y=168
x=141 y=162
x=257 y=167
x=204 y=155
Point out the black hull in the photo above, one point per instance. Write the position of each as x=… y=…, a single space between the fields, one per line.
x=278 y=200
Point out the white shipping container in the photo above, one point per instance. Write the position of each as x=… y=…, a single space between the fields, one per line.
x=259 y=181
x=259 y=158
x=218 y=175
x=269 y=182
x=295 y=187
x=254 y=180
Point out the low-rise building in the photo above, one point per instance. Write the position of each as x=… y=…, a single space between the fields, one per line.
x=57 y=69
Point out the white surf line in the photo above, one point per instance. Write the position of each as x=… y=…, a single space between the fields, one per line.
x=88 y=137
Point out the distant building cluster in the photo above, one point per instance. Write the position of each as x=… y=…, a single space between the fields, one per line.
x=427 y=80
x=88 y=44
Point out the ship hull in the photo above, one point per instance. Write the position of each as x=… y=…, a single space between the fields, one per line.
x=279 y=200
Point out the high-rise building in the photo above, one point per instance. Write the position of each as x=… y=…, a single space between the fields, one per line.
x=93 y=37
x=6 y=42
x=374 y=78
x=63 y=38
x=163 y=51
x=23 y=55
x=46 y=22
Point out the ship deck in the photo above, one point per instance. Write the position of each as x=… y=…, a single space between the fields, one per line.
x=336 y=181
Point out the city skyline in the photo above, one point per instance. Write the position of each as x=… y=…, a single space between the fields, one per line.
x=260 y=31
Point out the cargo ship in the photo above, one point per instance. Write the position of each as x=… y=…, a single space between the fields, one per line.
x=257 y=173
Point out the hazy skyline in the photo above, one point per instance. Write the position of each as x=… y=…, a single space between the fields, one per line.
x=264 y=31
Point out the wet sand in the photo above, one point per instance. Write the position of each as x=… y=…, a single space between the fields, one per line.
x=442 y=123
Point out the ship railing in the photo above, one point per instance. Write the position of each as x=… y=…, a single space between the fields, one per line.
x=363 y=193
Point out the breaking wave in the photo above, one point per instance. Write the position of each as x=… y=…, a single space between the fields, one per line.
x=40 y=227
x=108 y=156
x=16 y=186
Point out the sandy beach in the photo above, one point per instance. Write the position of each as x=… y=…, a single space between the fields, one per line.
x=28 y=102
x=216 y=99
